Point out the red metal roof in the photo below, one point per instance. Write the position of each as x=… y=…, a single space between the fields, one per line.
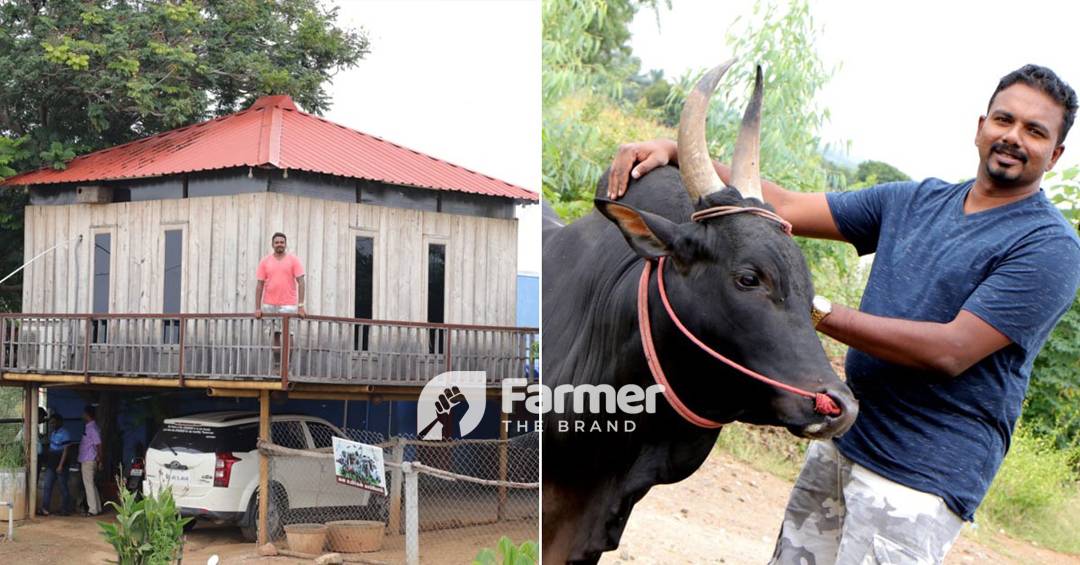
x=273 y=133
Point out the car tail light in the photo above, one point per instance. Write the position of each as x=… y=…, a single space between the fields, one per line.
x=223 y=463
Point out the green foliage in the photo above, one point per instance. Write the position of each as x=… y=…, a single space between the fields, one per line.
x=581 y=134
x=506 y=553
x=83 y=75
x=148 y=530
x=870 y=173
x=586 y=64
x=1065 y=192
x=1052 y=408
x=12 y=448
x=1034 y=493
x=585 y=45
x=12 y=454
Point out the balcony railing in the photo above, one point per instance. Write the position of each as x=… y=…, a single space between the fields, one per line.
x=314 y=349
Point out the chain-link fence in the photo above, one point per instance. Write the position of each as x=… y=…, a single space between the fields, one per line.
x=445 y=500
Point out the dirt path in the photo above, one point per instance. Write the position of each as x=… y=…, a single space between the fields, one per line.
x=727 y=512
x=75 y=540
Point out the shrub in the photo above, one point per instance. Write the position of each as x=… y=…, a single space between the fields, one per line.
x=148 y=531
x=506 y=553
x=11 y=455
x=1033 y=491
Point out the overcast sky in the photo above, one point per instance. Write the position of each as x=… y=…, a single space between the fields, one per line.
x=915 y=76
x=456 y=80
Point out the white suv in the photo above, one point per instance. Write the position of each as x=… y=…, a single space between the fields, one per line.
x=211 y=462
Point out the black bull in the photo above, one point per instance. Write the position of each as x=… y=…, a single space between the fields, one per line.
x=738 y=282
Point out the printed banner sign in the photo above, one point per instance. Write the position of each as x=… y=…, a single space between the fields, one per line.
x=359 y=465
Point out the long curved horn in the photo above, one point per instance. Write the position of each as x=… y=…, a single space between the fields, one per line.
x=698 y=175
x=745 y=163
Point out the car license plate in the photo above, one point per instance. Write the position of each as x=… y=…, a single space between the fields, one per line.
x=136 y=472
x=178 y=477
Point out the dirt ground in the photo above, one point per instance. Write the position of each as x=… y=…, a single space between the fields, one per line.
x=727 y=512
x=71 y=540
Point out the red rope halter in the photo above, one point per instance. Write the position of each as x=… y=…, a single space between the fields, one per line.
x=823 y=403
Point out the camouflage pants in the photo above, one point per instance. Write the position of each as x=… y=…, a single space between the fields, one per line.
x=841 y=512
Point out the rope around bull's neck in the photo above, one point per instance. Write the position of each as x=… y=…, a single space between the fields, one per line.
x=823 y=403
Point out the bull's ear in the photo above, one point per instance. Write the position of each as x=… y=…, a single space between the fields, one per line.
x=649 y=235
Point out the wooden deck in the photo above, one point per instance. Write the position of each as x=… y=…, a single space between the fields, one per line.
x=239 y=347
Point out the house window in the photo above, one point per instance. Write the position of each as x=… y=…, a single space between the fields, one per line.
x=436 y=292
x=102 y=274
x=363 y=292
x=174 y=244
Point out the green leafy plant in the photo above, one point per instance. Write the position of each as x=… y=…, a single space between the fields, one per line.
x=148 y=531
x=1035 y=493
x=11 y=455
x=1052 y=408
x=506 y=553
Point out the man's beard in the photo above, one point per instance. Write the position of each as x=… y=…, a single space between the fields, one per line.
x=1003 y=177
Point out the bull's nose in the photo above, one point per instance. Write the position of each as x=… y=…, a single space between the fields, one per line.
x=849 y=410
x=836 y=425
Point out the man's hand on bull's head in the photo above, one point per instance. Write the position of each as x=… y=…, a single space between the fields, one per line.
x=633 y=160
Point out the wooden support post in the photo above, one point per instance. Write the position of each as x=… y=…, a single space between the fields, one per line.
x=397 y=456
x=504 y=423
x=412 y=516
x=31 y=438
x=28 y=447
x=264 y=467
x=285 y=345
x=232 y=393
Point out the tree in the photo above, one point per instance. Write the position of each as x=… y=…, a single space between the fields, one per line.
x=870 y=173
x=1052 y=406
x=81 y=75
x=586 y=64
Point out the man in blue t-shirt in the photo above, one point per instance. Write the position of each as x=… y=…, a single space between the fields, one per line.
x=968 y=281
x=56 y=462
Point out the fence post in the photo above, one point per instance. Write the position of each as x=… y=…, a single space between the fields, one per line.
x=397 y=456
x=30 y=437
x=412 y=518
x=264 y=468
x=504 y=423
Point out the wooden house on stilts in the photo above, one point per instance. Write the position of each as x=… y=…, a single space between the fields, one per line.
x=142 y=260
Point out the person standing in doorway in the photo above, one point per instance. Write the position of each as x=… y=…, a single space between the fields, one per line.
x=90 y=459
x=56 y=467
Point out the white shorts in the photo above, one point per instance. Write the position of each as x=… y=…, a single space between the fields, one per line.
x=280 y=309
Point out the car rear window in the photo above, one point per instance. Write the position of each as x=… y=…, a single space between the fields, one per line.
x=194 y=438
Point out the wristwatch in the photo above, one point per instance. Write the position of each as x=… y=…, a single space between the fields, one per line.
x=820 y=307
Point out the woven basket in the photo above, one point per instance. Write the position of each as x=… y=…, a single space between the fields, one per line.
x=306 y=538
x=355 y=536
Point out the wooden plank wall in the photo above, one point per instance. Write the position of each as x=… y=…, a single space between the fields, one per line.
x=226 y=236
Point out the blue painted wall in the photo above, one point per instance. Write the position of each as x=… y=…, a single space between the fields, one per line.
x=528 y=300
x=138 y=414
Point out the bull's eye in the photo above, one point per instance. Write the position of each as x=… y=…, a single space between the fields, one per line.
x=747 y=281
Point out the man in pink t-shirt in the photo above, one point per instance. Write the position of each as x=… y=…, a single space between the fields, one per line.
x=280 y=289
